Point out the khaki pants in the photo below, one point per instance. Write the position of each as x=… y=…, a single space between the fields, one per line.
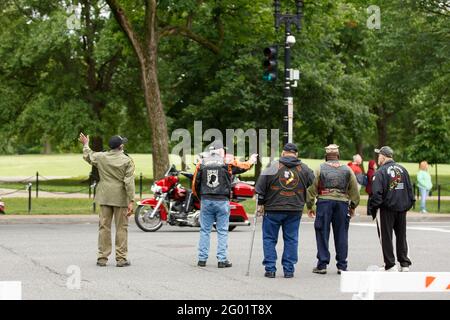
x=104 y=232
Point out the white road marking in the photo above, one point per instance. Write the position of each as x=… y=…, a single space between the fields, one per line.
x=362 y=224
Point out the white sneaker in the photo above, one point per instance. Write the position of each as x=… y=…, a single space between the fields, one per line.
x=393 y=269
x=404 y=269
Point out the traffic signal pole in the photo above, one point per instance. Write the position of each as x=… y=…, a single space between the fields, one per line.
x=288 y=20
x=288 y=110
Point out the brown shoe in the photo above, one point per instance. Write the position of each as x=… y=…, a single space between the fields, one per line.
x=101 y=263
x=123 y=263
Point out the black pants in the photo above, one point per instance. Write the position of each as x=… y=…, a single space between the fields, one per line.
x=396 y=221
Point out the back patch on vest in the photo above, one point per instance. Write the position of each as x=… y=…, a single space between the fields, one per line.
x=395 y=178
x=289 y=179
x=213 y=178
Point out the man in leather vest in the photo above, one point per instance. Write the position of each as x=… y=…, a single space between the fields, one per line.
x=212 y=185
x=336 y=190
x=281 y=190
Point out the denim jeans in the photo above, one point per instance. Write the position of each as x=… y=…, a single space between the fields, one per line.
x=423 y=198
x=289 y=223
x=336 y=213
x=214 y=211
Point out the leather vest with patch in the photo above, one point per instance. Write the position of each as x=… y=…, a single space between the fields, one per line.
x=215 y=178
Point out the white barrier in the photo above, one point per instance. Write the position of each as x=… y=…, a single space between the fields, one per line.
x=10 y=290
x=366 y=283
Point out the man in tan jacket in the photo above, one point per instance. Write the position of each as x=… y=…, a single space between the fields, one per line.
x=115 y=196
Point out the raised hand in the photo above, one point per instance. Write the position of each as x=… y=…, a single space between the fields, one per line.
x=83 y=139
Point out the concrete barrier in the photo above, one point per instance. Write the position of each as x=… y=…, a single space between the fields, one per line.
x=10 y=290
x=367 y=283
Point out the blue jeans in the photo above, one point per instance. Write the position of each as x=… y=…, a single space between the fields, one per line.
x=337 y=214
x=289 y=223
x=214 y=211
x=423 y=198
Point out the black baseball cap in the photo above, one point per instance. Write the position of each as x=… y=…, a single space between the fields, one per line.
x=290 y=147
x=116 y=141
x=385 y=151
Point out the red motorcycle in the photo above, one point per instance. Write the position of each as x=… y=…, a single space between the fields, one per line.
x=169 y=201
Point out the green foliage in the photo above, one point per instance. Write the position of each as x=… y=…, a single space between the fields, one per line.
x=359 y=87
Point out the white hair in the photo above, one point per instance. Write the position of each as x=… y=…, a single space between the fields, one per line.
x=213 y=152
x=356 y=157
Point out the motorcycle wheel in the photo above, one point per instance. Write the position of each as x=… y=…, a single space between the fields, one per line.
x=230 y=228
x=147 y=225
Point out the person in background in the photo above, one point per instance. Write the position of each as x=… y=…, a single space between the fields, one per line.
x=424 y=183
x=355 y=165
x=370 y=173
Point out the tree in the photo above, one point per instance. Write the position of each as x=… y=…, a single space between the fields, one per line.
x=155 y=26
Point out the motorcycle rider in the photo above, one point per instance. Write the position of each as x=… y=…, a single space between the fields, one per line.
x=212 y=185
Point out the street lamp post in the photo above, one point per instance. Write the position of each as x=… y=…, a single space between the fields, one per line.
x=288 y=20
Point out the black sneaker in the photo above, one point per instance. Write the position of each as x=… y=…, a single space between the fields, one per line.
x=123 y=263
x=201 y=263
x=224 y=264
x=269 y=274
x=288 y=274
x=319 y=271
x=101 y=263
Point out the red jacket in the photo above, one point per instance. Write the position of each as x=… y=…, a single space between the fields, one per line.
x=355 y=168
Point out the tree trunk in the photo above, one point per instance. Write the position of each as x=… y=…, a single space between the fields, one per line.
x=156 y=115
x=382 y=124
x=258 y=167
x=146 y=49
x=97 y=143
x=47 y=146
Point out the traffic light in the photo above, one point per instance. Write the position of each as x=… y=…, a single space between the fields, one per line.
x=270 y=63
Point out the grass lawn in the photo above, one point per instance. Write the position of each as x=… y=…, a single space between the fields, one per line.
x=48 y=206
x=73 y=165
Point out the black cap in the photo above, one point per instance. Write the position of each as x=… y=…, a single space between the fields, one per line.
x=290 y=147
x=116 y=141
x=385 y=151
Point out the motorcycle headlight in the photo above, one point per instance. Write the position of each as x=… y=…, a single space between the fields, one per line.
x=156 y=189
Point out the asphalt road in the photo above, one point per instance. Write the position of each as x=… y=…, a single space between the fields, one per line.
x=164 y=263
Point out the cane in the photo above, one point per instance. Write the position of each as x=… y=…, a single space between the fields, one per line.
x=253 y=237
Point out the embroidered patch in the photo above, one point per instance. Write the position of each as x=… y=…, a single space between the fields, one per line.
x=212 y=178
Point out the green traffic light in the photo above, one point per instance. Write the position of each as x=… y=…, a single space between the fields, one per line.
x=269 y=77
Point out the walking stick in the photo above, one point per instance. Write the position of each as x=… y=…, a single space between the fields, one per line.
x=253 y=237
